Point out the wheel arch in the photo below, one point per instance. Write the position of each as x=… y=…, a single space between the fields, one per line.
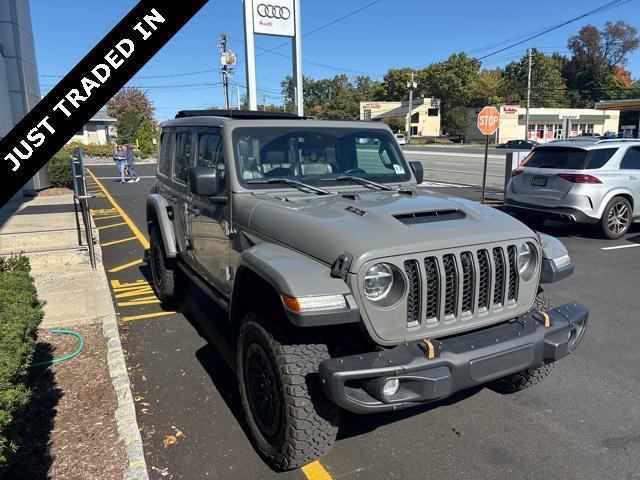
x=618 y=192
x=158 y=216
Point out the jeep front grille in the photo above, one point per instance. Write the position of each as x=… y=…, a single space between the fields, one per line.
x=457 y=286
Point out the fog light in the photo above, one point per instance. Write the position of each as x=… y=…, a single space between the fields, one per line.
x=391 y=387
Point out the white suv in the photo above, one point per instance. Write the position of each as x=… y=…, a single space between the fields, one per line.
x=585 y=181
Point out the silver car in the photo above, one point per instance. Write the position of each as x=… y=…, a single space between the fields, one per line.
x=586 y=181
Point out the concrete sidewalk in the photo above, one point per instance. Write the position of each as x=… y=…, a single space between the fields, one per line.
x=45 y=229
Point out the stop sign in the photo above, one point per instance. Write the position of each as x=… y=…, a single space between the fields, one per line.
x=488 y=120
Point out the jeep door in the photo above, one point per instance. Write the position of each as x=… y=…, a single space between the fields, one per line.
x=181 y=197
x=208 y=216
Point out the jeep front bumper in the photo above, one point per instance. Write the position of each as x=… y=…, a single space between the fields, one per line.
x=355 y=382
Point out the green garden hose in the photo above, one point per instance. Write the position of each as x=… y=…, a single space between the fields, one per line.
x=66 y=357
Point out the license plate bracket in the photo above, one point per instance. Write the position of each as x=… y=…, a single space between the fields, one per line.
x=539 y=181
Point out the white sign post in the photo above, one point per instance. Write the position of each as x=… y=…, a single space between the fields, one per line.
x=276 y=18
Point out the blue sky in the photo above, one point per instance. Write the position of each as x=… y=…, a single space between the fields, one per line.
x=389 y=33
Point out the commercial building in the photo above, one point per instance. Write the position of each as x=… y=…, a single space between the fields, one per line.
x=629 y=115
x=546 y=124
x=19 y=83
x=425 y=114
x=100 y=130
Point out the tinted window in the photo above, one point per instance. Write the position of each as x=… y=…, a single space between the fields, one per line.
x=183 y=156
x=569 y=158
x=631 y=159
x=166 y=151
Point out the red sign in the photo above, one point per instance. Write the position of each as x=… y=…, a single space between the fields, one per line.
x=488 y=120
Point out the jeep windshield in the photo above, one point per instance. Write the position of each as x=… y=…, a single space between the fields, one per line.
x=316 y=155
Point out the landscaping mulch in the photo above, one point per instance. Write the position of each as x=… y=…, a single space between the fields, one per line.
x=68 y=430
x=54 y=192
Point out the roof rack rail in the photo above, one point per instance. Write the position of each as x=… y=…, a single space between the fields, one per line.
x=613 y=140
x=239 y=114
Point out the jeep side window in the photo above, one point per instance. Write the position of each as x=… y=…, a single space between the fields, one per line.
x=183 y=156
x=166 y=152
x=210 y=154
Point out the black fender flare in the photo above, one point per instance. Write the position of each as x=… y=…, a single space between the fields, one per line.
x=158 y=215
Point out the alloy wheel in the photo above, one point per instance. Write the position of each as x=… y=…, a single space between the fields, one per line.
x=618 y=218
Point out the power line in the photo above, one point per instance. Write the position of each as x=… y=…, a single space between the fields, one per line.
x=322 y=27
x=602 y=8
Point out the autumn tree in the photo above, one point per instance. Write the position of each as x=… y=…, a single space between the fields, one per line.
x=593 y=73
x=133 y=110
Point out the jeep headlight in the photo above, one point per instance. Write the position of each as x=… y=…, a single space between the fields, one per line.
x=526 y=259
x=378 y=282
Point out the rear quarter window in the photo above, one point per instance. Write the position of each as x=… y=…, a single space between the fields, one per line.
x=166 y=152
x=568 y=158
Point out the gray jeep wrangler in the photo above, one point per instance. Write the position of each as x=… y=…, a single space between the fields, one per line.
x=346 y=285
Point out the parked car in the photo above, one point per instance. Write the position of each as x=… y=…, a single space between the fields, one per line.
x=343 y=285
x=518 y=145
x=590 y=182
x=402 y=140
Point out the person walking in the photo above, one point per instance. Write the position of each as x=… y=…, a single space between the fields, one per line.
x=131 y=160
x=120 y=157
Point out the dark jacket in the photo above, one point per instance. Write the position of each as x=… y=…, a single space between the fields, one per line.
x=131 y=158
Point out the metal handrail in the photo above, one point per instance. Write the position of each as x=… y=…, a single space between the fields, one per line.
x=81 y=197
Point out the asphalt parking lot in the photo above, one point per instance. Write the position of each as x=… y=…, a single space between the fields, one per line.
x=582 y=423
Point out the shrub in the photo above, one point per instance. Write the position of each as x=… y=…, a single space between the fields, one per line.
x=20 y=315
x=60 y=175
x=91 y=150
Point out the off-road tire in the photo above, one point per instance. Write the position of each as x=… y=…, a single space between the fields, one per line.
x=603 y=227
x=521 y=380
x=308 y=421
x=170 y=284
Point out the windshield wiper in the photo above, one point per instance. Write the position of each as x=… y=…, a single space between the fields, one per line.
x=293 y=183
x=362 y=181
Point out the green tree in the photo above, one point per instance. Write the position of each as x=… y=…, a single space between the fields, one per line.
x=128 y=125
x=145 y=135
x=394 y=85
x=455 y=120
x=453 y=81
x=593 y=72
x=547 y=82
x=489 y=88
x=396 y=124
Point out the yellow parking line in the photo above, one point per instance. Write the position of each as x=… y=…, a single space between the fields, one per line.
x=113 y=225
x=315 y=471
x=146 y=315
x=116 y=242
x=132 y=226
x=126 y=265
x=145 y=301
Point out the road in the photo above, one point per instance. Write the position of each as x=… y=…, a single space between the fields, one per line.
x=462 y=165
x=582 y=423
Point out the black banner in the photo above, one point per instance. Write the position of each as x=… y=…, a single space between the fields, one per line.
x=88 y=87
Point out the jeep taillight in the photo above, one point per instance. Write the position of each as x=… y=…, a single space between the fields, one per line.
x=579 y=178
x=516 y=172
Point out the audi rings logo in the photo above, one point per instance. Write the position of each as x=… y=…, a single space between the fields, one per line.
x=275 y=12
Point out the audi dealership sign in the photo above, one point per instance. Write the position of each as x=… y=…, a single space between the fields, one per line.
x=274 y=17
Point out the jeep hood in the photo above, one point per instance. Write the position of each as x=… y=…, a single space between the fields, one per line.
x=376 y=224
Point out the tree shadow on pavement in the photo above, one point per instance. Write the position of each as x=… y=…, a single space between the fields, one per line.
x=35 y=423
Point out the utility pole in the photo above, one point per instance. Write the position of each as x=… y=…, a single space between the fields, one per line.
x=227 y=58
x=411 y=85
x=526 y=132
x=238 y=94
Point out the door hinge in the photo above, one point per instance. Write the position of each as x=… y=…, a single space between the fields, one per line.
x=227 y=229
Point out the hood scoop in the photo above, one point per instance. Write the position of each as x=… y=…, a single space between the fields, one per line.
x=417 y=218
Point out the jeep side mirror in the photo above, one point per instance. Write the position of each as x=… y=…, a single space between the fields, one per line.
x=418 y=171
x=203 y=181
